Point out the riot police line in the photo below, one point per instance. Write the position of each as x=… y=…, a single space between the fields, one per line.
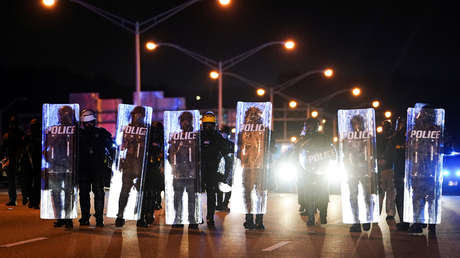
x=182 y=159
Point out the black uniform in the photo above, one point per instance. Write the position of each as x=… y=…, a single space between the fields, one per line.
x=213 y=148
x=153 y=178
x=314 y=152
x=11 y=149
x=32 y=158
x=95 y=144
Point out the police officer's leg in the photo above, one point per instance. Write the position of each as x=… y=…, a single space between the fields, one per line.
x=26 y=188
x=99 y=199
x=390 y=192
x=178 y=186
x=85 y=204
x=11 y=173
x=36 y=187
x=211 y=203
x=227 y=200
x=126 y=186
x=248 y=185
x=191 y=193
x=353 y=184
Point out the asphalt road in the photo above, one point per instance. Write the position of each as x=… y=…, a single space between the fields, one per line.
x=24 y=234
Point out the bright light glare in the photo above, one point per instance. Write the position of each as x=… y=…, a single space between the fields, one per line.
x=198 y=97
x=287 y=171
x=335 y=172
x=379 y=129
x=233 y=130
x=320 y=128
x=293 y=139
x=284 y=148
x=292 y=104
x=356 y=91
x=388 y=114
x=48 y=3
x=314 y=114
x=328 y=73
x=260 y=92
x=457 y=173
x=289 y=44
x=224 y=2
x=375 y=104
x=445 y=173
x=323 y=121
x=151 y=45
x=214 y=75
x=335 y=139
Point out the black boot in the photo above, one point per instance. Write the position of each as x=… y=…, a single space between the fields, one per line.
x=249 y=223
x=99 y=221
x=366 y=226
x=149 y=218
x=119 y=222
x=260 y=222
x=311 y=220
x=84 y=221
x=142 y=223
x=59 y=223
x=402 y=226
x=416 y=228
x=68 y=223
x=355 y=228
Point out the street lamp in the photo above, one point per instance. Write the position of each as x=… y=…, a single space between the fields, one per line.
x=198 y=97
x=379 y=129
x=289 y=44
x=293 y=139
x=387 y=114
x=214 y=75
x=292 y=104
x=137 y=28
x=356 y=91
x=48 y=3
x=314 y=114
x=375 y=104
x=151 y=45
x=260 y=92
x=328 y=73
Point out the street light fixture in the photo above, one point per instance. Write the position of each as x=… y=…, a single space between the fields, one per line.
x=379 y=129
x=49 y=3
x=356 y=91
x=198 y=97
x=375 y=104
x=214 y=75
x=314 y=114
x=289 y=44
x=335 y=139
x=328 y=73
x=293 y=139
x=150 y=45
x=224 y=3
x=260 y=92
x=387 y=114
x=292 y=104
x=323 y=121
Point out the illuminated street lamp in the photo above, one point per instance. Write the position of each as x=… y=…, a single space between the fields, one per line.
x=233 y=130
x=387 y=114
x=375 y=104
x=293 y=139
x=49 y=3
x=224 y=3
x=292 y=104
x=320 y=128
x=260 y=91
x=198 y=97
x=335 y=139
x=151 y=45
x=214 y=75
x=323 y=121
x=328 y=73
x=356 y=91
x=379 y=129
x=314 y=114
x=289 y=44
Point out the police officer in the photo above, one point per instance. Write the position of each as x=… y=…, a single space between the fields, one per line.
x=399 y=144
x=226 y=178
x=213 y=147
x=133 y=142
x=386 y=157
x=60 y=176
x=11 y=149
x=32 y=158
x=314 y=153
x=153 y=178
x=94 y=144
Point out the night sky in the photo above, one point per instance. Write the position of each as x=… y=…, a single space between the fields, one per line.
x=401 y=54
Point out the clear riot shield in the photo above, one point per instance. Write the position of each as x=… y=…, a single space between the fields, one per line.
x=59 y=149
x=423 y=177
x=253 y=128
x=357 y=147
x=125 y=197
x=182 y=167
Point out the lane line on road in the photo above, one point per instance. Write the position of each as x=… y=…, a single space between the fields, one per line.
x=275 y=246
x=24 y=242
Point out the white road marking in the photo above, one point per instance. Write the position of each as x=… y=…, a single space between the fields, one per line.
x=24 y=242
x=275 y=246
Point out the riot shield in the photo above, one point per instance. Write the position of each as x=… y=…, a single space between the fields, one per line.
x=182 y=167
x=357 y=148
x=423 y=177
x=59 y=152
x=253 y=129
x=125 y=196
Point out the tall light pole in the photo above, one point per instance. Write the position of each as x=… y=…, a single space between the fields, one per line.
x=219 y=67
x=137 y=28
